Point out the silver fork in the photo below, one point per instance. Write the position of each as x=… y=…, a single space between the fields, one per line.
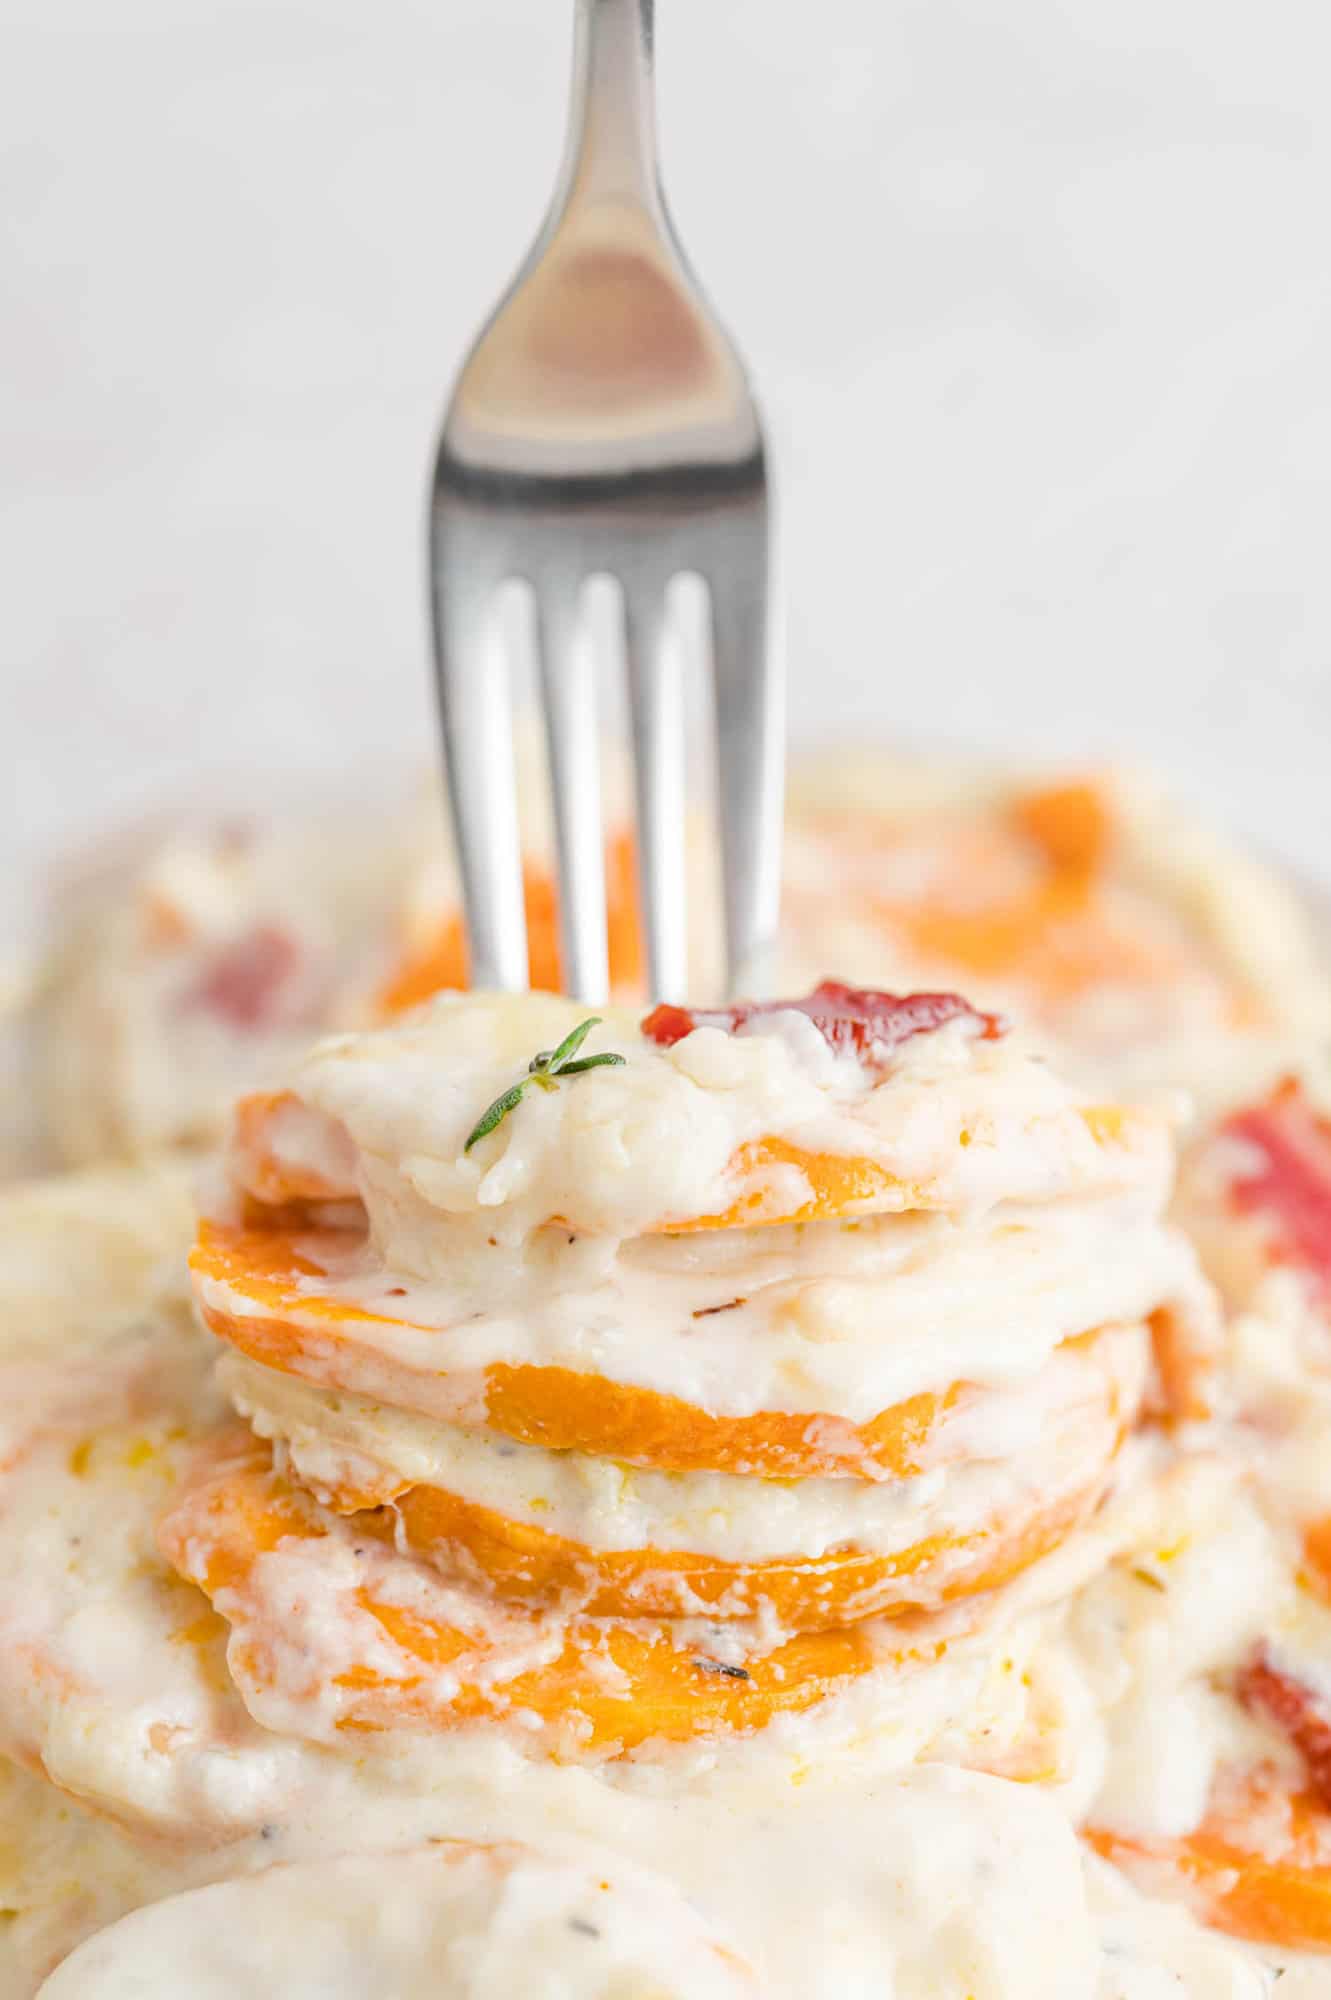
x=602 y=423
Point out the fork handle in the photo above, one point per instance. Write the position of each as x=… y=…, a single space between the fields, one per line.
x=610 y=150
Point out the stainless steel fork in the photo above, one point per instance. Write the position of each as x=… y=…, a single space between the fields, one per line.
x=602 y=424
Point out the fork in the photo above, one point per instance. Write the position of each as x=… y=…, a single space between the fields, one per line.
x=602 y=424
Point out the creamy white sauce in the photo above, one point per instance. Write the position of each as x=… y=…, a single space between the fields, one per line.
x=449 y=1922
x=112 y=1679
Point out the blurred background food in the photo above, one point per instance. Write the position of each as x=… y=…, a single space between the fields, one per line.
x=1035 y=295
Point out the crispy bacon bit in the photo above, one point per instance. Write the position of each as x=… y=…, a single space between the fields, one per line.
x=668 y=1025
x=847 y=1017
x=1289 y=1184
x=249 y=982
x=1297 y=1712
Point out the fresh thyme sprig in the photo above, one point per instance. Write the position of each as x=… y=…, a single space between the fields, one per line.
x=542 y=1071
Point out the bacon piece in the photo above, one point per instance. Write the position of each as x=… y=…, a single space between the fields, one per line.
x=851 y=1018
x=1297 y=1711
x=250 y=982
x=1289 y=1184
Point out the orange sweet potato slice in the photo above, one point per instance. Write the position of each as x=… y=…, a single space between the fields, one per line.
x=401 y=1653
x=1260 y=1862
x=770 y=1180
x=1058 y=938
x=837 y=1184
x=1258 y=1866
x=1072 y=826
x=258 y=1164
x=1059 y=933
x=1317 y=1557
x=259 y=1291
x=822 y=1187
x=842 y=1185
x=523 y=1563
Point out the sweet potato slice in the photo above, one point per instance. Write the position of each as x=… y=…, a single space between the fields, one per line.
x=259 y=1290
x=398 y=1651
x=522 y=1562
x=1258 y=1866
x=828 y=1185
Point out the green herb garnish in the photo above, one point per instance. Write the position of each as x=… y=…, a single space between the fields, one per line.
x=542 y=1071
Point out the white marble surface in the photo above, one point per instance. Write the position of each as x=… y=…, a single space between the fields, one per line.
x=1036 y=290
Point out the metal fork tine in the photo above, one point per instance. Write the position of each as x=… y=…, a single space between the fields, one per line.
x=657 y=718
x=568 y=683
x=750 y=722
x=476 y=707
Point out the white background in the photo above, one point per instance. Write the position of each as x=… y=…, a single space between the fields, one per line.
x=1036 y=292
